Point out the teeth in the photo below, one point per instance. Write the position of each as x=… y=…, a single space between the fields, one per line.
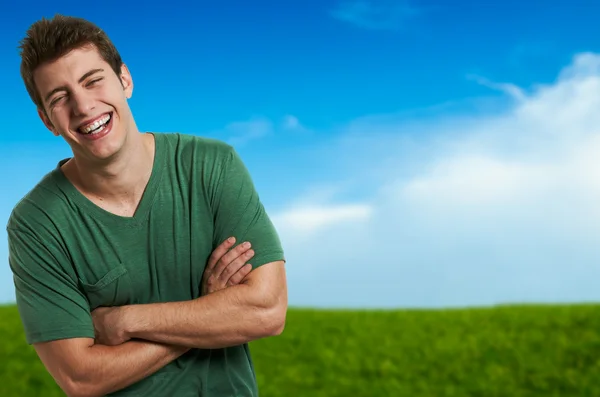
x=95 y=125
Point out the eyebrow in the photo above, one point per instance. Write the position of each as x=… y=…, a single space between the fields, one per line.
x=81 y=79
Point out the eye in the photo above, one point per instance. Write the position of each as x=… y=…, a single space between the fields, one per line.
x=56 y=100
x=93 y=82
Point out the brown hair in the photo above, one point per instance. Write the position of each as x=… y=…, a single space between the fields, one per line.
x=49 y=39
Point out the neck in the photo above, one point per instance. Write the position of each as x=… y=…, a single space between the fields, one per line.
x=122 y=179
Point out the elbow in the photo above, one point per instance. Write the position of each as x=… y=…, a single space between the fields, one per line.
x=278 y=321
x=277 y=328
x=76 y=389
x=273 y=321
x=81 y=386
x=79 y=389
x=271 y=311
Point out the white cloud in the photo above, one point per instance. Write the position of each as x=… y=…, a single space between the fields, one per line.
x=375 y=14
x=310 y=219
x=291 y=122
x=477 y=179
x=507 y=88
x=241 y=132
x=473 y=209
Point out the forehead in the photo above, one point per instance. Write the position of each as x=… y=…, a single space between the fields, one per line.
x=68 y=68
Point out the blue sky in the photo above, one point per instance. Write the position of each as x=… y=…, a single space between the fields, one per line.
x=411 y=153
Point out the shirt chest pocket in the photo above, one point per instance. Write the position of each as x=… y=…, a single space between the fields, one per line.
x=112 y=288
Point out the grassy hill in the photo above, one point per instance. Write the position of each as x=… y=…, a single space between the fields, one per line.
x=508 y=351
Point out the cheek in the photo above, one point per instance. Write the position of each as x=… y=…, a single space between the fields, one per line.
x=59 y=118
x=113 y=96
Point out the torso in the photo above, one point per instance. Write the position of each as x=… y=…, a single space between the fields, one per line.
x=147 y=250
x=154 y=251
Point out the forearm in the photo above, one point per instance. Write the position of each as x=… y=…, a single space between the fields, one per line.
x=228 y=317
x=105 y=369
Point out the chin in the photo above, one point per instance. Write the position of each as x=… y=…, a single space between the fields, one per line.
x=100 y=150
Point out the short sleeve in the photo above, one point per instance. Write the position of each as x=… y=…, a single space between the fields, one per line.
x=238 y=212
x=49 y=301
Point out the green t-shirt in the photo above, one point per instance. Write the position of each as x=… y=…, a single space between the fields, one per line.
x=69 y=256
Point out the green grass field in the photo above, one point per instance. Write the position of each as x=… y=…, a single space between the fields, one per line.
x=507 y=351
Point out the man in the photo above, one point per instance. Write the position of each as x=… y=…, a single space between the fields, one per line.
x=108 y=250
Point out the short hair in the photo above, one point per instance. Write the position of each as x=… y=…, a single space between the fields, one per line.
x=49 y=39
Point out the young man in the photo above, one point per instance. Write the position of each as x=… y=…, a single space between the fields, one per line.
x=109 y=250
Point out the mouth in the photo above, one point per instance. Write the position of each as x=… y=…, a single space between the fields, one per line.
x=97 y=126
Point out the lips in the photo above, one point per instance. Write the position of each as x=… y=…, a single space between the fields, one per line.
x=95 y=125
x=98 y=128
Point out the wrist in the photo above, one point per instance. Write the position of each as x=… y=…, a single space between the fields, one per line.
x=127 y=321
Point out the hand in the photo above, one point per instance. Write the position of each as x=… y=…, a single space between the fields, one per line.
x=226 y=267
x=108 y=326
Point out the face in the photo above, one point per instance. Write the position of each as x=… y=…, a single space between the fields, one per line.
x=86 y=103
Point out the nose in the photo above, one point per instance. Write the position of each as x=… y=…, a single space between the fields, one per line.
x=81 y=102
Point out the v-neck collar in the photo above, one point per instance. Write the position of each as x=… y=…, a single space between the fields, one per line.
x=145 y=204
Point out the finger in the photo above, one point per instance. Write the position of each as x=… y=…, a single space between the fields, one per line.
x=229 y=257
x=235 y=265
x=219 y=252
x=239 y=275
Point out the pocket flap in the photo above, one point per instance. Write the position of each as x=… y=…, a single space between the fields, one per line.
x=108 y=278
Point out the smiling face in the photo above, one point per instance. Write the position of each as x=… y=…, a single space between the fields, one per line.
x=85 y=102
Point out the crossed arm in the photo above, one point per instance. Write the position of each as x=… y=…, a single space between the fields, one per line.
x=141 y=339
x=82 y=368
x=253 y=309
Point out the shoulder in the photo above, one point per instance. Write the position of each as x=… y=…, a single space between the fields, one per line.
x=38 y=208
x=195 y=145
x=34 y=228
x=194 y=153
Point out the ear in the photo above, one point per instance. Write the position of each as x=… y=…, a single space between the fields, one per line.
x=47 y=121
x=126 y=81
